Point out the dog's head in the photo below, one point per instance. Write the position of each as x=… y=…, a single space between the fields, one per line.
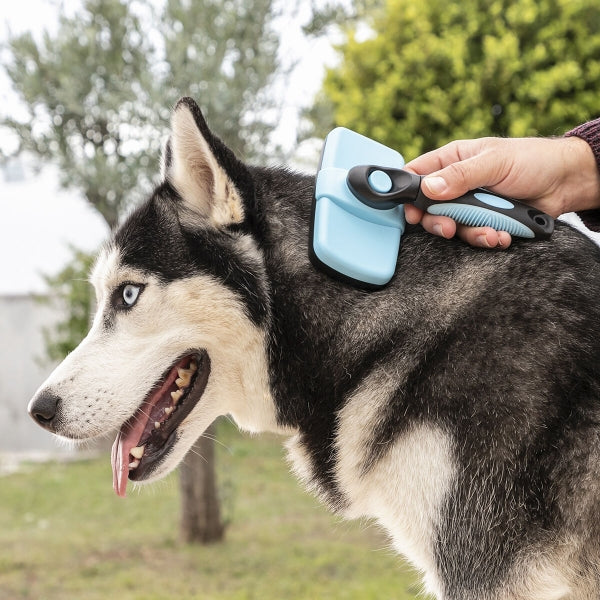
x=182 y=309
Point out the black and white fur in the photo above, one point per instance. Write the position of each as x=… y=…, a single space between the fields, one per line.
x=459 y=407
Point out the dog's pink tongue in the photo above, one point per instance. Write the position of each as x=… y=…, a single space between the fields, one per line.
x=127 y=438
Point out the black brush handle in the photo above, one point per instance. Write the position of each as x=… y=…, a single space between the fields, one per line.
x=383 y=188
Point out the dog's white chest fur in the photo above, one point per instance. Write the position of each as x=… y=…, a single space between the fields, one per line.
x=403 y=491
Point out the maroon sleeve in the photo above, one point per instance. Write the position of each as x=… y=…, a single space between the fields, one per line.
x=590 y=132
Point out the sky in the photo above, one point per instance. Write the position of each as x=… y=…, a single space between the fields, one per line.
x=39 y=221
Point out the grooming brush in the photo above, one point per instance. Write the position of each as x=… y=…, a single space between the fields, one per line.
x=358 y=218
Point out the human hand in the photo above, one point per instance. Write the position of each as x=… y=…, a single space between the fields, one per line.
x=555 y=175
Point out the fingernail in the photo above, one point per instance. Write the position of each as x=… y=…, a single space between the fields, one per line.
x=482 y=241
x=435 y=184
x=501 y=242
x=438 y=230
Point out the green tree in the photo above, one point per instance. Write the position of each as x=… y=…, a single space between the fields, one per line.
x=74 y=295
x=98 y=95
x=223 y=52
x=86 y=91
x=438 y=70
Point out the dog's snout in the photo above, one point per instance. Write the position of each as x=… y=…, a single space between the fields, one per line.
x=43 y=409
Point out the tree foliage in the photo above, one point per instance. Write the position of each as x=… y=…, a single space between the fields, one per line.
x=78 y=88
x=327 y=15
x=433 y=71
x=98 y=92
x=226 y=64
x=73 y=294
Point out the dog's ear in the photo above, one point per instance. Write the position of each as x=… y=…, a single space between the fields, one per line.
x=213 y=183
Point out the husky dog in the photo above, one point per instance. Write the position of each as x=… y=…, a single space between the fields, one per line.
x=459 y=407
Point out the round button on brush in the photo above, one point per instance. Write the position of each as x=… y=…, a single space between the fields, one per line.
x=380 y=182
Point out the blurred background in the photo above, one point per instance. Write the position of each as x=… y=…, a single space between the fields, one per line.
x=86 y=88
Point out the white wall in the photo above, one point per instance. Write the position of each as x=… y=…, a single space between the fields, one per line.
x=38 y=224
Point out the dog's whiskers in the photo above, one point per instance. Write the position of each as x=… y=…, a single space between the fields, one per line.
x=192 y=450
x=214 y=438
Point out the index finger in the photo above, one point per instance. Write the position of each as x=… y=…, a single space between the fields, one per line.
x=440 y=158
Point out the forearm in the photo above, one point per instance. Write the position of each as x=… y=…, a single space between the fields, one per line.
x=590 y=133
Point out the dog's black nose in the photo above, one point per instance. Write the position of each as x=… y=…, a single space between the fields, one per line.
x=43 y=409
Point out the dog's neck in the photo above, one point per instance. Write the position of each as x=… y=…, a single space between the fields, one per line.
x=306 y=305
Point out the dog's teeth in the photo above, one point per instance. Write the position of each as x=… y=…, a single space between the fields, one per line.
x=176 y=396
x=169 y=410
x=185 y=376
x=134 y=464
x=137 y=452
x=193 y=366
x=156 y=424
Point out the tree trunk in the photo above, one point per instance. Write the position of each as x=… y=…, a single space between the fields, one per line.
x=200 y=513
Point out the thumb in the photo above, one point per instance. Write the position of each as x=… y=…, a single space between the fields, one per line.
x=459 y=177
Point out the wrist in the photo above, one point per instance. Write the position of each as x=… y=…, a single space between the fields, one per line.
x=583 y=191
x=590 y=133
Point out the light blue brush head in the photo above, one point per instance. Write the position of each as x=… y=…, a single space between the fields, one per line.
x=348 y=238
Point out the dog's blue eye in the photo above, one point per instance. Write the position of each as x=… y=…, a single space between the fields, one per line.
x=130 y=294
x=126 y=295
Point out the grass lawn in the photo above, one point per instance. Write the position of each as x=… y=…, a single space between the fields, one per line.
x=65 y=535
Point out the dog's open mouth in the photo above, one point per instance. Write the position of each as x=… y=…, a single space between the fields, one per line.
x=146 y=437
